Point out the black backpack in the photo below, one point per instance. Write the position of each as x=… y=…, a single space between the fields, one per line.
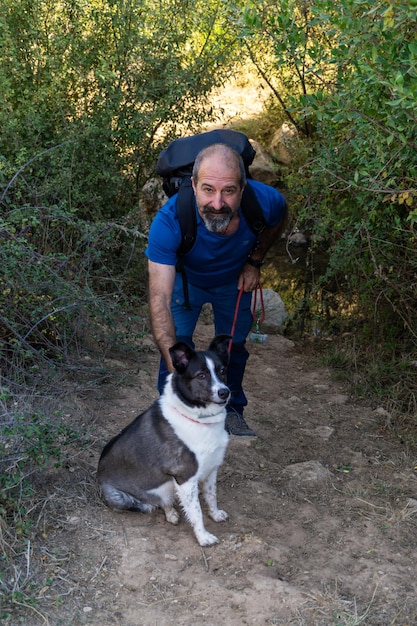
x=175 y=165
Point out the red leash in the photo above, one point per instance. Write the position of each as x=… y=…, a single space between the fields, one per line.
x=255 y=318
x=258 y=320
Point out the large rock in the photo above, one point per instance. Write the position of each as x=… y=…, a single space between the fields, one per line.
x=263 y=167
x=152 y=196
x=284 y=143
x=275 y=312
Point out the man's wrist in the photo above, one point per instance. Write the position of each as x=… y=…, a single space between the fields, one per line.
x=254 y=262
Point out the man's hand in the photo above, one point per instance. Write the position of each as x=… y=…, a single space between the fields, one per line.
x=249 y=278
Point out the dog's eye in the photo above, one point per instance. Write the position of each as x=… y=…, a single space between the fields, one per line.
x=222 y=371
x=202 y=375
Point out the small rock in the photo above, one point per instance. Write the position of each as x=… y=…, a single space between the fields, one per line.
x=298 y=239
x=412 y=506
x=338 y=398
x=324 y=431
x=321 y=387
x=306 y=475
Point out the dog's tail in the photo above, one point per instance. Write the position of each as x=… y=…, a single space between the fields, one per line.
x=118 y=499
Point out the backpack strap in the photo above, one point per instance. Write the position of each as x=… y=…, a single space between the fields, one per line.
x=186 y=217
x=188 y=224
x=252 y=211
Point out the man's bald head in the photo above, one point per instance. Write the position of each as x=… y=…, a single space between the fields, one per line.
x=226 y=157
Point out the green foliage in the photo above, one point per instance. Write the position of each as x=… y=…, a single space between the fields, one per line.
x=289 y=46
x=352 y=78
x=58 y=274
x=28 y=443
x=385 y=380
x=367 y=157
x=103 y=83
x=89 y=92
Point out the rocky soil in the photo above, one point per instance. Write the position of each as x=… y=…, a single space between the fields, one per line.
x=322 y=513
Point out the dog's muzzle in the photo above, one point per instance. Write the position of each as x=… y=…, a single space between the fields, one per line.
x=223 y=394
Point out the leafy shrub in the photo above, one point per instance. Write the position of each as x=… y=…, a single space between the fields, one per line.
x=94 y=97
x=354 y=82
x=60 y=277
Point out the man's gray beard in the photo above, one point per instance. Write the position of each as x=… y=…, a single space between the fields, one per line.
x=217 y=223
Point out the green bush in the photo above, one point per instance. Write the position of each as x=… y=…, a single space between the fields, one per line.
x=87 y=92
x=353 y=81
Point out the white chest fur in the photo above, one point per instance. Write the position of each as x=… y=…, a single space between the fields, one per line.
x=202 y=432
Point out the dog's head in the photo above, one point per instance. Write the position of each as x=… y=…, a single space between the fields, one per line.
x=200 y=377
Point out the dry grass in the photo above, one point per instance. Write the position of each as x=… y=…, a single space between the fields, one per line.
x=36 y=445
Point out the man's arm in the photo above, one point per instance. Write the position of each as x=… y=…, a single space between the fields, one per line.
x=161 y=285
x=249 y=277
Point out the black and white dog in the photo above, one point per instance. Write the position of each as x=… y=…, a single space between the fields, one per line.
x=179 y=442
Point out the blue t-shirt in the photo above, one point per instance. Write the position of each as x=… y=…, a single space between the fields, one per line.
x=214 y=259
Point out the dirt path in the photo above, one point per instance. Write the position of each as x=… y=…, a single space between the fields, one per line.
x=322 y=507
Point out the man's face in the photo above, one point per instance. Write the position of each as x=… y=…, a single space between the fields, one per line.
x=218 y=193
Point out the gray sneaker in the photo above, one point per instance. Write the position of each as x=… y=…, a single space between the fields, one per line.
x=236 y=425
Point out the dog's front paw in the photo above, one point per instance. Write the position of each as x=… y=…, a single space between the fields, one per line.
x=172 y=516
x=218 y=515
x=207 y=539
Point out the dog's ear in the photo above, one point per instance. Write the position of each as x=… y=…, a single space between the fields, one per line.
x=220 y=345
x=181 y=354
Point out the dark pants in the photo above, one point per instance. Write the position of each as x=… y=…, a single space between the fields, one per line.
x=223 y=300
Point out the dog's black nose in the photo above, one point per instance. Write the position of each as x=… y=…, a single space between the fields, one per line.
x=223 y=393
